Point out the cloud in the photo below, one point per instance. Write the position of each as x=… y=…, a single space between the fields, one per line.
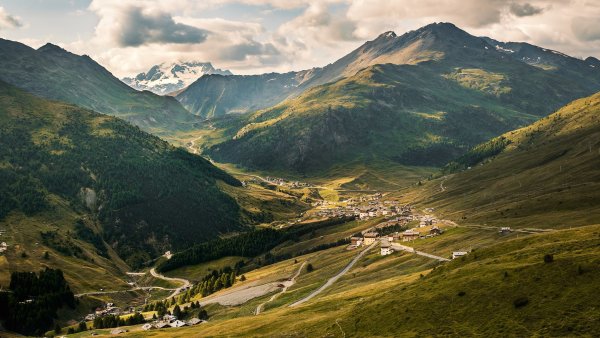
x=586 y=28
x=135 y=26
x=241 y=51
x=132 y=35
x=525 y=9
x=8 y=21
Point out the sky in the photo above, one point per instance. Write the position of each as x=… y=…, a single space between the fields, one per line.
x=258 y=36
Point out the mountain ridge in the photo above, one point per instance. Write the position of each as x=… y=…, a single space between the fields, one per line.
x=55 y=73
x=169 y=78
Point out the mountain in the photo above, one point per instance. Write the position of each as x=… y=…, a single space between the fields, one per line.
x=167 y=78
x=217 y=95
x=438 y=92
x=59 y=159
x=544 y=175
x=55 y=73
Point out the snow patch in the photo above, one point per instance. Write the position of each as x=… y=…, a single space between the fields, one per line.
x=505 y=50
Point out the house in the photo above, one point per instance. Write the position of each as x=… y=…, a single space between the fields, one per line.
x=457 y=254
x=90 y=317
x=161 y=325
x=370 y=237
x=3 y=246
x=194 y=321
x=390 y=238
x=385 y=248
x=178 y=323
x=435 y=231
x=118 y=331
x=505 y=230
x=363 y=215
x=356 y=241
x=147 y=327
x=409 y=235
x=169 y=318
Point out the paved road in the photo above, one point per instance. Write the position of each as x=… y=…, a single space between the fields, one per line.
x=400 y=247
x=186 y=283
x=286 y=284
x=333 y=279
x=144 y=288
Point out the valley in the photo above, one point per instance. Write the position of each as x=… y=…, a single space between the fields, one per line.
x=431 y=183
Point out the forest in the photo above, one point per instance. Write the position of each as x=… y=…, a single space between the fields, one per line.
x=247 y=244
x=132 y=182
x=32 y=303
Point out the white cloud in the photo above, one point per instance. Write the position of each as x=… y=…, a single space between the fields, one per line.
x=323 y=31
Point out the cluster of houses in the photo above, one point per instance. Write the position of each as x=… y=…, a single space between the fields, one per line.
x=373 y=208
x=370 y=236
x=286 y=183
x=105 y=310
x=168 y=321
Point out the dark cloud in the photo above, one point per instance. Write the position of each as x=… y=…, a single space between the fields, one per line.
x=8 y=21
x=524 y=9
x=139 y=28
x=241 y=51
x=586 y=29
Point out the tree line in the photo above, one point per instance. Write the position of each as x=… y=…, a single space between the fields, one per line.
x=247 y=244
x=33 y=301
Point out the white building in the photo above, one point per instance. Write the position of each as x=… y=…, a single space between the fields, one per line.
x=457 y=254
x=385 y=248
x=178 y=323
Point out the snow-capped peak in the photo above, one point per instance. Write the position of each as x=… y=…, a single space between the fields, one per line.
x=169 y=77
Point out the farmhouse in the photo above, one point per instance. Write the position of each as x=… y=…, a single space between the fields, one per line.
x=435 y=231
x=410 y=235
x=370 y=237
x=178 y=323
x=385 y=248
x=356 y=241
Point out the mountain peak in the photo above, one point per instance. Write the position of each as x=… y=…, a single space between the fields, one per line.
x=169 y=77
x=50 y=47
x=387 y=35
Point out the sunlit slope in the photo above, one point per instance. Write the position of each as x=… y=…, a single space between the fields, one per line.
x=543 y=175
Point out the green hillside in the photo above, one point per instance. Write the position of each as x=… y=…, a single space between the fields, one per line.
x=54 y=73
x=543 y=175
x=98 y=167
x=462 y=91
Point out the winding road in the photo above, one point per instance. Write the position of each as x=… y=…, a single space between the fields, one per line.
x=286 y=284
x=333 y=279
x=186 y=283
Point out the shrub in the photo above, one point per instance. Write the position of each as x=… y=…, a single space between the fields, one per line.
x=309 y=268
x=520 y=302
x=548 y=258
x=461 y=293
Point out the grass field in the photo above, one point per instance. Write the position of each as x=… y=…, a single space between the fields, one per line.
x=26 y=251
x=196 y=272
x=397 y=296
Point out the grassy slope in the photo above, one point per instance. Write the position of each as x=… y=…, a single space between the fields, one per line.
x=546 y=177
x=386 y=297
x=54 y=73
x=420 y=114
x=89 y=273
x=49 y=142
